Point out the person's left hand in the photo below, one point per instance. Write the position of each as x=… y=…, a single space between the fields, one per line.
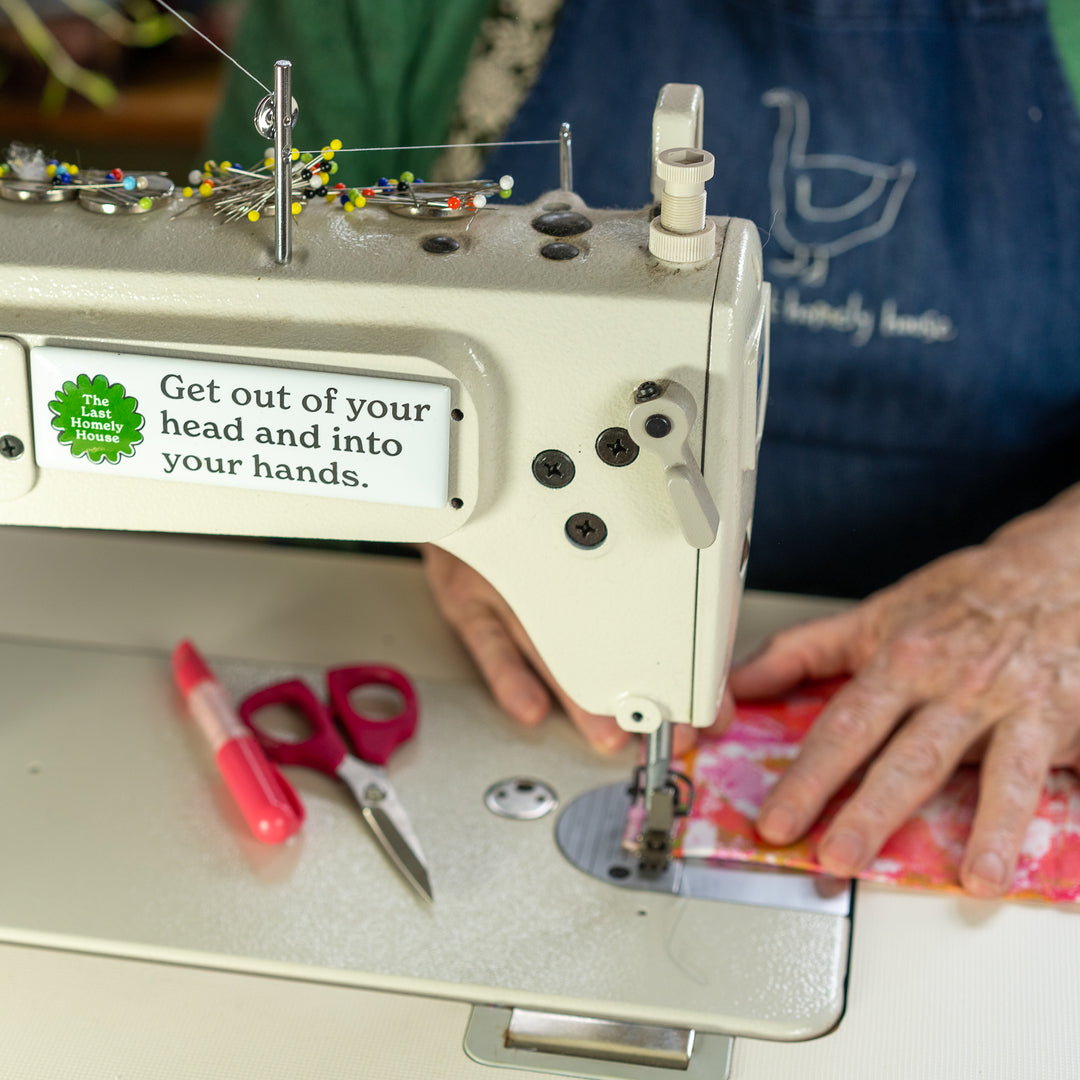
x=975 y=655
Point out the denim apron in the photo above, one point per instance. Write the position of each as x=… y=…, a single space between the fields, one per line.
x=914 y=166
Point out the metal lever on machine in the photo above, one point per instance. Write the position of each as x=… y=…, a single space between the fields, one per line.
x=660 y=421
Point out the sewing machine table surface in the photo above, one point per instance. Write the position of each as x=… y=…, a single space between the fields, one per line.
x=136 y=945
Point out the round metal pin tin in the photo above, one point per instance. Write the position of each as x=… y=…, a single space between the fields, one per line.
x=26 y=191
x=117 y=200
x=426 y=210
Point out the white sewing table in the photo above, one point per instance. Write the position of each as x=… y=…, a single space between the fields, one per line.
x=939 y=987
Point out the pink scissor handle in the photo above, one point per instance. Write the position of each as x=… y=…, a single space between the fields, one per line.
x=373 y=740
x=323 y=749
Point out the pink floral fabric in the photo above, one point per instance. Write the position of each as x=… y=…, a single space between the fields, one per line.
x=732 y=774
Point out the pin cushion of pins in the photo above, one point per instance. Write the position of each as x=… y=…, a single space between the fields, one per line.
x=136 y=193
x=409 y=196
x=238 y=194
x=27 y=175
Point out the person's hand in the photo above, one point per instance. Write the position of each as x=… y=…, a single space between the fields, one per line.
x=519 y=680
x=975 y=655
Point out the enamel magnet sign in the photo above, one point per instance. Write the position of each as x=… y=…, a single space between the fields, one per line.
x=276 y=429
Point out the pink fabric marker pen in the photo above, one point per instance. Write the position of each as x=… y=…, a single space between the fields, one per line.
x=266 y=799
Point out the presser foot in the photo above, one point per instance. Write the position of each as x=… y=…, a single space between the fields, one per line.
x=672 y=799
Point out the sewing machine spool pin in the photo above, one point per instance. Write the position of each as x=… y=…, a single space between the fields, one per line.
x=566 y=159
x=283 y=162
x=273 y=121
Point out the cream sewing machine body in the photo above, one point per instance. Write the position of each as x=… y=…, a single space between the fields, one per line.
x=533 y=361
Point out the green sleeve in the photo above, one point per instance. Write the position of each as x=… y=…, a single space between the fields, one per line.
x=367 y=73
x=1064 y=18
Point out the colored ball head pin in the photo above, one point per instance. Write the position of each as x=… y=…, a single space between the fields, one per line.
x=27 y=175
x=239 y=194
x=410 y=196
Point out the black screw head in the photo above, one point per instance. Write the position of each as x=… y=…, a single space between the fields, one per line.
x=553 y=468
x=615 y=447
x=440 y=245
x=559 y=251
x=586 y=530
x=562 y=223
x=657 y=426
x=11 y=447
x=648 y=391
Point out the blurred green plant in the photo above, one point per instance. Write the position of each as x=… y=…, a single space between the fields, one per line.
x=138 y=23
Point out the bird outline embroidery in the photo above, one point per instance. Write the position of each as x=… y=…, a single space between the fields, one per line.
x=791 y=180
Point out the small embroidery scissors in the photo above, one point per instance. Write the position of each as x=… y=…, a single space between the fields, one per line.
x=373 y=740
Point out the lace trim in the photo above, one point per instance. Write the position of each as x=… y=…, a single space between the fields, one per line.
x=510 y=49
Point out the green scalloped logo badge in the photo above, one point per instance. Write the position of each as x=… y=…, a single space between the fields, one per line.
x=96 y=419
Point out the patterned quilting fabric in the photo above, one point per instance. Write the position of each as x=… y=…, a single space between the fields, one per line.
x=732 y=774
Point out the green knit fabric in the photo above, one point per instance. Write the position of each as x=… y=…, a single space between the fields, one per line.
x=368 y=73
x=1064 y=18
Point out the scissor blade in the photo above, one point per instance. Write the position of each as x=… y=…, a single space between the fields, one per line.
x=386 y=817
x=394 y=844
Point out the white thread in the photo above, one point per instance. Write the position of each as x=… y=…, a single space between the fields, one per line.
x=436 y=146
x=176 y=15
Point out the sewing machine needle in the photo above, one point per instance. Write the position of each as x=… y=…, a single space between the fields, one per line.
x=660 y=802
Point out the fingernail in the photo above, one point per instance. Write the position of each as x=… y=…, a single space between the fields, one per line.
x=609 y=743
x=989 y=868
x=530 y=707
x=842 y=853
x=778 y=825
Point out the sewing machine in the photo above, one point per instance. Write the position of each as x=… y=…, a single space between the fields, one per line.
x=481 y=383
x=529 y=388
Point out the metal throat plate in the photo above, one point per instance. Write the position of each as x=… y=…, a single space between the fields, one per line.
x=590 y=834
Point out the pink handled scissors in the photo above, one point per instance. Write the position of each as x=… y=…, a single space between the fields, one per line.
x=373 y=741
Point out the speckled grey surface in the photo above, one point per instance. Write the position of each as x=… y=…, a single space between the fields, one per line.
x=118 y=837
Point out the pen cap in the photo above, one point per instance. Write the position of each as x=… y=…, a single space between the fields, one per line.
x=206 y=698
x=189 y=668
x=267 y=800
